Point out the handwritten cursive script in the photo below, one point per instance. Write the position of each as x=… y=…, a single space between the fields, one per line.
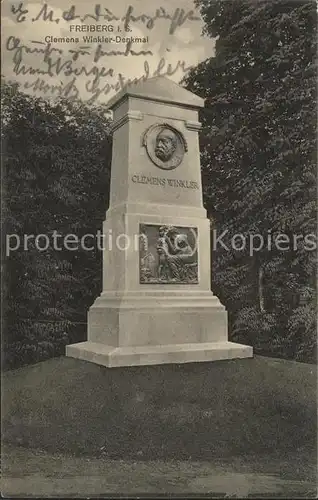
x=97 y=89
x=59 y=66
x=100 y=80
x=83 y=62
x=176 y=19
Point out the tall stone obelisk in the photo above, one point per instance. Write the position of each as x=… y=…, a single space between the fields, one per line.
x=156 y=305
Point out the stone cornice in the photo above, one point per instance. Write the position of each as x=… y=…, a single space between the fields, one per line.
x=131 y=115
x=192 y=125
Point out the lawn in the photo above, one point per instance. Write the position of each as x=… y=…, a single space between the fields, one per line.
x=34 y=472
x=193 y=428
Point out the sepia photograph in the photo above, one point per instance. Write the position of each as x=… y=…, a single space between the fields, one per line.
x=159 y=249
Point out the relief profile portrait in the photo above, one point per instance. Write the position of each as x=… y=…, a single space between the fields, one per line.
x=165 y=146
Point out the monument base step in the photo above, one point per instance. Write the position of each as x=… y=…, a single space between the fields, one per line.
x=112 y=357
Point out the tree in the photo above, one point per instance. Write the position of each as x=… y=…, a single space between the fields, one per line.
x=259 y=164
x=56 y=173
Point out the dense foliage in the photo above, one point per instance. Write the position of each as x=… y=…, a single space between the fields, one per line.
x=56 y=164
x=258 y=148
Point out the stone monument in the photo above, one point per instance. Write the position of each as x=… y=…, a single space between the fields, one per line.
x=156 y=304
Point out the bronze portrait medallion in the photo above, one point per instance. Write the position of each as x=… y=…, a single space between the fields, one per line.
x=165 y=146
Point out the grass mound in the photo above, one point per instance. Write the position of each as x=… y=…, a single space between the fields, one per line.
x=198 y=411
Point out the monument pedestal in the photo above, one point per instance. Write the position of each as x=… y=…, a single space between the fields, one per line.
x=156 y=305
x=112 y=357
